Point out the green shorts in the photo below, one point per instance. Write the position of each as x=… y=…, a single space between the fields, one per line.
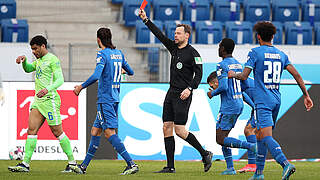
x=50 y=109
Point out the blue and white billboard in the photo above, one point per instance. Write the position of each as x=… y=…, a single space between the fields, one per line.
x=140 y=121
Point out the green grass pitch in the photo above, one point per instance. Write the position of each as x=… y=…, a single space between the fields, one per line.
x=110 y=169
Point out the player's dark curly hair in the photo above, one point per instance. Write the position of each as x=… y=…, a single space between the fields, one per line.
x=212 y=76
x=228 y=45
x=104 y=34
x=265 y=29
x=38 y=40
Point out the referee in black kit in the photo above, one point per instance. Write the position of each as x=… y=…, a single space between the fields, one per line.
x=185 y=75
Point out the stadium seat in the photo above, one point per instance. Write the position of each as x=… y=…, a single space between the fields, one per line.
x=166 y=10
x=153 y=60
x=285 y=10
x=8 y=9
x=226 y=10
x=144 y=35
x=117 y=1
x=14 y=30
x=256 y=10
x=317 y=33
x=240 y=32
x=208 y=32
x=131 y=11
x=311 y=10
x=196 y=10
x=170 y=27
x=298 y=33
x=278 y=36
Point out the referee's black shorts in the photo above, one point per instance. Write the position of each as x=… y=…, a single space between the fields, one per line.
x=176 y=109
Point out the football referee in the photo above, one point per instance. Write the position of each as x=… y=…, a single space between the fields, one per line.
x=185 y=75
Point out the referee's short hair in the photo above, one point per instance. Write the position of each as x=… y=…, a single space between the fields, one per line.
x=212 y=76
x=187 y=28
x=38 y=40
x=228 y=45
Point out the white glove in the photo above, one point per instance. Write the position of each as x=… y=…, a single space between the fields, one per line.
x=1 y=96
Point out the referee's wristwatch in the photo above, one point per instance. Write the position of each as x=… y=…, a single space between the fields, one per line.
x=190 y=88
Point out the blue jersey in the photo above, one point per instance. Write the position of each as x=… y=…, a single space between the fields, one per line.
x=248 y=89
x=267 y=63
x=109 y=65
x=229 y=89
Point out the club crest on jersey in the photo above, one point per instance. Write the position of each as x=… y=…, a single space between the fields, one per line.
x=198 y=60
x=98 y=59
x=179 y=65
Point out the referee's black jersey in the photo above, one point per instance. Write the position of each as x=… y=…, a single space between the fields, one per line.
x=186 y=63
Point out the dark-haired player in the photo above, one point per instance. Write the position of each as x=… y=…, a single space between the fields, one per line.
x=46 y=105
x=267 y=63
x=109 y=64
x=231 y=103
x=185 y=75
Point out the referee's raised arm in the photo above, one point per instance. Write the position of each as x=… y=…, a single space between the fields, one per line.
x=168 y=43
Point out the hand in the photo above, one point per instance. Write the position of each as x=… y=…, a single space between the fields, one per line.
x=123 y=71
x=20 y=59
x=231 y=74
x=42 y=93
x=308 y=103
x=77 y=89
x=209 y=94
x=142 y=14
x=185 y=94
x=1 y=97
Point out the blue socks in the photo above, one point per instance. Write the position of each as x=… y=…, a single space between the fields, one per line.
x=236 y=143
x=227 y=156
x=261 y=157
x=275 y=150
x=93 y=146
x=119 y=147
x=251 y=155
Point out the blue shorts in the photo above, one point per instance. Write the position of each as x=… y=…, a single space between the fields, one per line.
x=267 y=116
x=253 y=120
x=226 y=121
x=107 y=116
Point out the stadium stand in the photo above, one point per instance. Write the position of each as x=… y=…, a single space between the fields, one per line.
x=196 y=10
x=285 y=10
x=257 y=10
x=311 y=11
x=279 y=34
x=131 y=11
x=317 y=33
x=226 y=10
x=208 y=32
x=166 y=10
x=8 y=9
x=144 y=35
x=170 y=27
x=298 y=33
x=240 y=32
x=14 y=30
x=153 y=60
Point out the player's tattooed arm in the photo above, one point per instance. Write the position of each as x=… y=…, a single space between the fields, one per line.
x=241 y=76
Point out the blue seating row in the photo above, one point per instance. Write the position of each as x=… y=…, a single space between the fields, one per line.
x=225 y=10
x=211 y=32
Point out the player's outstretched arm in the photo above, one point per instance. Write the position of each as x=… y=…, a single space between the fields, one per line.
x=307 y=100
x=241 y=76
x=26 y=66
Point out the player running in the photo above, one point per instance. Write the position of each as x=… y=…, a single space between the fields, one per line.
x=231 y=103
x=110 y=62
x=267 y=63
x=46 y=105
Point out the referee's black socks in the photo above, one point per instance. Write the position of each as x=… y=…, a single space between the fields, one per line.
x=170 y=148
x=192 y=140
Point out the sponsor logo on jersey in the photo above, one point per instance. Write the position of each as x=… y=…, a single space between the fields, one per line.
x=198 y=60
x=235 y=66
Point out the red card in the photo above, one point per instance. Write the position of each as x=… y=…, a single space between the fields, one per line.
x=143 y=5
